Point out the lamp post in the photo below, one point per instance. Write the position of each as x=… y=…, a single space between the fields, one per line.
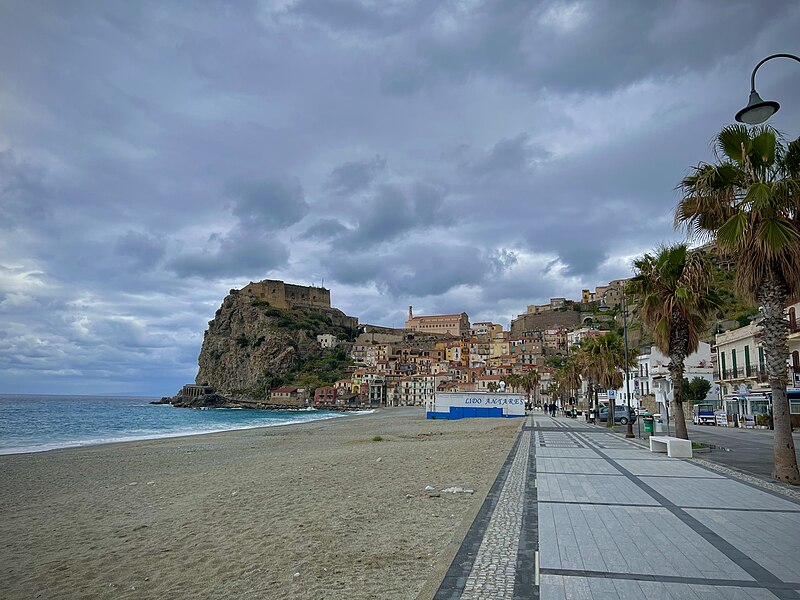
x=757 y=110
x=604 y=307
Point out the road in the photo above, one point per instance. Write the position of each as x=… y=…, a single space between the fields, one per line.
x=748 y=450
x=744 y=449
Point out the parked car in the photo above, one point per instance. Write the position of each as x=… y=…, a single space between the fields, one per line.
x=621 y=415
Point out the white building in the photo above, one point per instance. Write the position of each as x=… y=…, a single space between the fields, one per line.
x=651 y=376
x=327 y=340
x=741 y=360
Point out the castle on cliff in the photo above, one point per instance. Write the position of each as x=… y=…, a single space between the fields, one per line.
x=287 y=295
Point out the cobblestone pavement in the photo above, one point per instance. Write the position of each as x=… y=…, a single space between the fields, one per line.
x=580 y=512
x=494 y=570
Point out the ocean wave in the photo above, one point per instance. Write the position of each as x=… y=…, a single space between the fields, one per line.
x=156 y=435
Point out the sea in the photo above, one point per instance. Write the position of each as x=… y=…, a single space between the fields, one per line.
x=31 y=423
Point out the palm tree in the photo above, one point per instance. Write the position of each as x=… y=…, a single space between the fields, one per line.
x=514 y=380
x=601 y=360
x=749 y=204
x=530 y=383
x=673 y=290
x=585 y=366
x=610 y=354
x=568 y=376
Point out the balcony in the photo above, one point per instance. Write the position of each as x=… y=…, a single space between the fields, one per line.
x=759 y=374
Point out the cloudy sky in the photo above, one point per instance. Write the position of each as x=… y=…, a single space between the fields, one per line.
x=453 y=155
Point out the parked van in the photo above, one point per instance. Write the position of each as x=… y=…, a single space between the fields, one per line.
x=704 y=414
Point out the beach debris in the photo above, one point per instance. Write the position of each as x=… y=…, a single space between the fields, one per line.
x=134 y=483
x=235 y=493
x=151 y=483
x=434 y=495
x=430 y=488
x=380 y=458
x=459 y=490
x=409 y=496
x=296 y=574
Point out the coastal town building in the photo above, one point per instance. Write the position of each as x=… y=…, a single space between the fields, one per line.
x=287 y=396
x=575 y=337
x=454 y=325
x=486 y=328
x=650 y=381
x=741 y=360
x=327 y=340
x=325 y=395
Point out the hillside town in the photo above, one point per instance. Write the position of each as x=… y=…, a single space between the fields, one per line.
x=447 y=353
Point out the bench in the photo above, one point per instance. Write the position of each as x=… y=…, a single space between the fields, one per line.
x=674 y=447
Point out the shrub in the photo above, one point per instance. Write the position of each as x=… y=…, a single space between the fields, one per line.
x=377 y=438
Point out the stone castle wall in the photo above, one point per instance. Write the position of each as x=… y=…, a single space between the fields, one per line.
x=533 y=322
x=287 y=295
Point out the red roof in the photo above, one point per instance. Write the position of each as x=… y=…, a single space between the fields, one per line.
x=285 y=389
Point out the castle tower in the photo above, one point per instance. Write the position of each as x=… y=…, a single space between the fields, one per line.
x=410 y=313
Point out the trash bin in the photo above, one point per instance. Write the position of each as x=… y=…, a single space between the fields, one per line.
x=659 y=423
x=648 y=423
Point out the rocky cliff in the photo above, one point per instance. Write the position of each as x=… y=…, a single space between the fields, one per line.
x=251 y=347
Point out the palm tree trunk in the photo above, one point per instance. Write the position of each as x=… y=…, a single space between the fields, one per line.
x=772 y=297
x=678 y=349
x=676 y=369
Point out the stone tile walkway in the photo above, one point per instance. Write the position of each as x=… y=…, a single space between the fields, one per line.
x=579 y=512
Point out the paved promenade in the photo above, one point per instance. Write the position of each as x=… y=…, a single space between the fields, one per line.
x=578 y=512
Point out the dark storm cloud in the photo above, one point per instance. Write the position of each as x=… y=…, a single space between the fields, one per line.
x=239 y=254
x=575 y=46
x=268 y=203
x=355 y=176
x=340 y=14
x=394 y=210
x=324 y=229
x=419 y=269
x=507 y=156
x=22 y=192
x=143 y=250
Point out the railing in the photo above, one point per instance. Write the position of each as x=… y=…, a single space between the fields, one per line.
x=748 y=372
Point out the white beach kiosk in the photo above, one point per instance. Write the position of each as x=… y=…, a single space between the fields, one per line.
x=465 y=405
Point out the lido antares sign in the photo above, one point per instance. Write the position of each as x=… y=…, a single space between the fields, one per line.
x=511 y=404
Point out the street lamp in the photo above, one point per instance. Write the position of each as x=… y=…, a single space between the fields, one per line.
x=603 y=308
x=758 y=110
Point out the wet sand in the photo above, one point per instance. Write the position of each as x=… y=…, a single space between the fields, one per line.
x=316 y=510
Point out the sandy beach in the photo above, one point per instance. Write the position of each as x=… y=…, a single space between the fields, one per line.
x=317 y=510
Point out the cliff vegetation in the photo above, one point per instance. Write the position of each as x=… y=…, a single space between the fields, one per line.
x=251 y=347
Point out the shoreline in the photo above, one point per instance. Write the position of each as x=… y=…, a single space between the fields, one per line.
x=237 y=513
x=38 y=449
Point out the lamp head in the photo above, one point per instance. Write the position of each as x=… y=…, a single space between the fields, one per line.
x=757 y=110
x=603 y=306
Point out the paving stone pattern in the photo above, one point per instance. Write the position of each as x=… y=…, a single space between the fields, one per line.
x=493 y=573
x=613 y=521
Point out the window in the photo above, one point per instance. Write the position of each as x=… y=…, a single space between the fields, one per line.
x=747 y=360
x=722 y=362
x=733 y=360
